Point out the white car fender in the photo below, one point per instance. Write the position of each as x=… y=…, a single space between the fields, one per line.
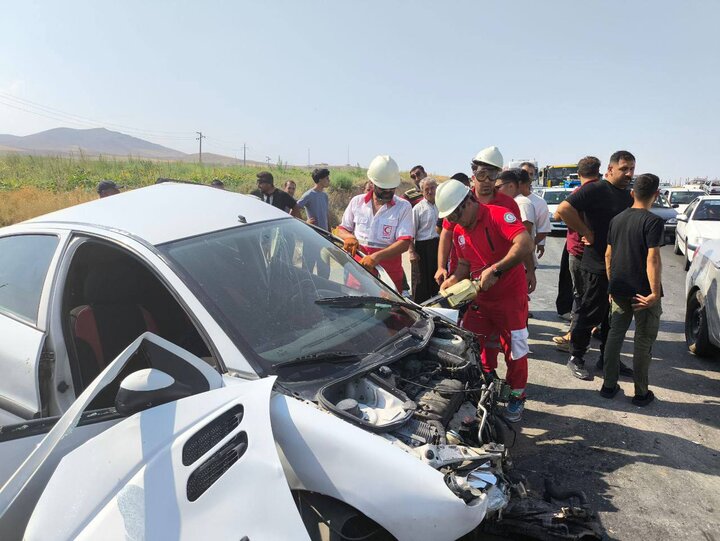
x=132 y=481
x=405 y=496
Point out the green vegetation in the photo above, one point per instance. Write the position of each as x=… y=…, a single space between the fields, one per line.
x=34 y=185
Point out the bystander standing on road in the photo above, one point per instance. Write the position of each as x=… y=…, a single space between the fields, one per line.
x=491 y=244
x=588 y=171
x=634 y=270
x=414 y=194
x=106 y=188
x=542 y=212
x=379 y=222
x=423 y=252
x=267 y=191
x=290 y=188
x=600 y=202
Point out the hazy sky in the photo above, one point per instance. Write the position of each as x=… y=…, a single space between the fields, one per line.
x=427 y=82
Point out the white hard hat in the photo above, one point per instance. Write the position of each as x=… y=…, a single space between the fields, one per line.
x=490 y=156
x=449 y=195
x=384 y=172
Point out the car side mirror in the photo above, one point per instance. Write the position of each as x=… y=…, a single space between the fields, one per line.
x=675 y=205
x=148 y=388
x=681 y=218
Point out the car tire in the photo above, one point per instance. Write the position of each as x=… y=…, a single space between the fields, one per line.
x=696 y=328
x=677 y=245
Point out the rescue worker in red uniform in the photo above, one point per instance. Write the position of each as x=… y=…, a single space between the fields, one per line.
x=492 y=244
x=379 y=222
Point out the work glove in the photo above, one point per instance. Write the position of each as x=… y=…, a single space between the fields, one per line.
x=368 y=262
x=351 y=245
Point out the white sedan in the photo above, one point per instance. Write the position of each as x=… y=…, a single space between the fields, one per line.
x=700 y=222
x=177 y=365
x=680 y=198
x=553 y=197
x=702 y=316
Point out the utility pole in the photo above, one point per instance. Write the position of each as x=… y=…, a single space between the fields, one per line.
x=267 y=159
x=200 y=138
x=244 y=154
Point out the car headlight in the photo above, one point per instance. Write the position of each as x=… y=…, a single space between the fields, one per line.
x=672 y=221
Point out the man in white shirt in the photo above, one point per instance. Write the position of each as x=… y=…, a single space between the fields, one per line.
x=542 y=212
x=423 y=252
x=508 y=183
x=378 y=222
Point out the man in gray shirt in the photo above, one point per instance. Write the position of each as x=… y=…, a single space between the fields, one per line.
x=315 y=200
x=316 y=204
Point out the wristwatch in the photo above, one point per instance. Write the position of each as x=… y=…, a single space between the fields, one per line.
x=497 y=273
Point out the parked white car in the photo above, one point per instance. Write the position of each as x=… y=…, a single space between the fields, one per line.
x=680 y=198
x=553 y=197
x=700 y=222
x=702 y=315
x=712 y=187
x=175 y=365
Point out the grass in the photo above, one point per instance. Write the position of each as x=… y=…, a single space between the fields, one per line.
x=34 y=185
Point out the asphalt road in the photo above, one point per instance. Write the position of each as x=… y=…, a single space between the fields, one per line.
x=652 y=473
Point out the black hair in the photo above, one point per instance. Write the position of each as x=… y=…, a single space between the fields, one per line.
x=645 y=186
x=529 y=164
x=319 y=174
x=265 y=176
x=511 y=175
x=418 y=167
x=622 y=155
x=589 y=167
x=462 y=177
x=523 y=176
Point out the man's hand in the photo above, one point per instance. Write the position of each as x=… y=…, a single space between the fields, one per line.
x=312 y=221
x=351 y=245
x=540 y=250
x=368 y=262
x=642 y=303
x=531 y=280
x=414 y=255
x=441 y=275
x=448 y=282
x=488 y=279
x=588 y=239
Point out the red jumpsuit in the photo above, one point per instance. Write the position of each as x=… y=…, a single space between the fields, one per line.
x=502 y=310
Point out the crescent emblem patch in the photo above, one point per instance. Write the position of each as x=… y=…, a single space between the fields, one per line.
x=510 y=218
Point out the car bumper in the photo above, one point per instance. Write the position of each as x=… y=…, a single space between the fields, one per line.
x=558 y=226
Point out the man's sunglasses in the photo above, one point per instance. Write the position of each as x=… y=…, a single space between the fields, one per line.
x=454 y=216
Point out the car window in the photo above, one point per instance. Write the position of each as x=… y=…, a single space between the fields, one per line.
x=661 y=203
x=691 y=207
x=555 y=197
x=261 y=282
x=24 y=263
x=683 y=198
x=708 y=210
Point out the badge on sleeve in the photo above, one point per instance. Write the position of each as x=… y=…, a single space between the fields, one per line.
x=510 y=218
x=461 y=240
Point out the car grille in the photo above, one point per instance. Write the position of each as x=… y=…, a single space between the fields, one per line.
x=211 y=434
x=212 y=469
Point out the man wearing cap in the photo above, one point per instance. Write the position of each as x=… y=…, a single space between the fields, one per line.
x=378 y=222
x=106 y=188
x=271 y=195
x=492 y=244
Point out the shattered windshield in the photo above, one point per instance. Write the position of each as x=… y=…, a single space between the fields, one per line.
x=261 y=283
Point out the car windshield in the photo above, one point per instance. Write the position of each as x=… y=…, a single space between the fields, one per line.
x=708 y=211
x=661 y=203
x=683 y=198
x=555 y=197
x=261 y=283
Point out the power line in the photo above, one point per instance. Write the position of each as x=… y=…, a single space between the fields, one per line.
x=200 y=138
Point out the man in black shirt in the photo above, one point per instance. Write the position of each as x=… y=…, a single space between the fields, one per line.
x=634 y=268
x=599 y=202
x=271 y=195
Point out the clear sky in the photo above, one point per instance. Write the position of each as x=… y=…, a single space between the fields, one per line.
x=428 y=82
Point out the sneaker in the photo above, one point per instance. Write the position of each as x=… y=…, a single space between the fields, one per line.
x=609 y=393
x=577 y=368
x=567 y=316
x=562 y=343
x=514 y=409
x=643 y=400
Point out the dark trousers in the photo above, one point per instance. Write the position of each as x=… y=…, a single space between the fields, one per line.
x=577 y=284
x=564 y=300
x=424 y=285
x=592 y=311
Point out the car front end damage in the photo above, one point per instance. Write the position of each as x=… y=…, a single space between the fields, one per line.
x=431 y=460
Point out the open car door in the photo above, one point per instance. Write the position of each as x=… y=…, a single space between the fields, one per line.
x=201 y=466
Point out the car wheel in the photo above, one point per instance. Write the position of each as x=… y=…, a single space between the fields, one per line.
x=696 y=328
x=677 y=245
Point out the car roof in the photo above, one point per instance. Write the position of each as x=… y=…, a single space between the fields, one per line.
x=165 y=212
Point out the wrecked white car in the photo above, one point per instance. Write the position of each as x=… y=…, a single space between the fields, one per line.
x=177 y=364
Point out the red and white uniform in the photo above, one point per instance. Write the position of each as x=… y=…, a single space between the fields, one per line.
x=502 y=310
x=376 y=231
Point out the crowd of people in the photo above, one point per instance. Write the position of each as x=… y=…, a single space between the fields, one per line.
x=491 y=228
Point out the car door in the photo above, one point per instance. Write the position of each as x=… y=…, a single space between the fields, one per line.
x=682 y=225
x=27 y=262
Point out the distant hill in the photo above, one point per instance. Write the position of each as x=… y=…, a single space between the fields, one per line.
x=92 y=142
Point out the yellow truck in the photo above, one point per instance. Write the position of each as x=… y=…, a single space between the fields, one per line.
x=556 y=175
